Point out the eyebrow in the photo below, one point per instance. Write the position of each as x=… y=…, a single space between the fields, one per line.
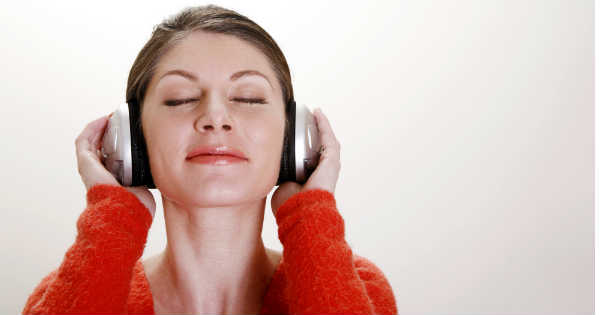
x=190 y=76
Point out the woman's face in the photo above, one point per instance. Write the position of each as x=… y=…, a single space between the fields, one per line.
x=218 y=113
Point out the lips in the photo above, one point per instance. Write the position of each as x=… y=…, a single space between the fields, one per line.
x=215 y=151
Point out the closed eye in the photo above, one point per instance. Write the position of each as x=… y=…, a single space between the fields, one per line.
x=250 y=100
x=179 y=102
x=237 y=99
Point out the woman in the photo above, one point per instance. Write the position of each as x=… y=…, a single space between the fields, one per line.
x=211 y=78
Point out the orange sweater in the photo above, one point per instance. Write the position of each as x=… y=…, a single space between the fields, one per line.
x=318 y=273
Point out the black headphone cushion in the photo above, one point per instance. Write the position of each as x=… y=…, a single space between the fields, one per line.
x=287 y=171
x=140 y=163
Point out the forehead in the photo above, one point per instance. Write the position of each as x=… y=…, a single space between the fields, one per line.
x=214 y=55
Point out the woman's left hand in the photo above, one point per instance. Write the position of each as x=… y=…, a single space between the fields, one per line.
x=326 y=174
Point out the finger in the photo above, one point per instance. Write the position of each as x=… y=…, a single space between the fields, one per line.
x=87 y=159
x=324 y=125
x=93 y=128
x=88 y=137
x=99 y=131
x=324 y=177
x=328 y=140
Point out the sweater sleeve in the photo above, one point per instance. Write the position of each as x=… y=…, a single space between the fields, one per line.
x=320 y=271
x=95 y=273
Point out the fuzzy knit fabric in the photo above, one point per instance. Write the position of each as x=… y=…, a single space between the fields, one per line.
x=102 y=271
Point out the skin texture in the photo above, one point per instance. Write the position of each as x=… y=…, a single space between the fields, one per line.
x=213 y=212
x=215 y=260
x=172 y=132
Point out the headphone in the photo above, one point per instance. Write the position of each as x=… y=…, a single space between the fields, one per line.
x=125 y=155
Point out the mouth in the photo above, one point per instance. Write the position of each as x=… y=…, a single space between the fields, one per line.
x=216 y=154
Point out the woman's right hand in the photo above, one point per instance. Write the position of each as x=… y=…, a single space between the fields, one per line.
x=90 y=167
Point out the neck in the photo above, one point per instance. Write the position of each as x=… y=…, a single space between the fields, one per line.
x=215 y=260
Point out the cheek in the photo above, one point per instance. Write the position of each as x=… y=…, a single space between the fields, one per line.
x=266 y=138
x=164 y=143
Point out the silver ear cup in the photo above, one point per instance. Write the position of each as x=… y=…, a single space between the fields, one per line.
x=116 y=146
x=307 y=144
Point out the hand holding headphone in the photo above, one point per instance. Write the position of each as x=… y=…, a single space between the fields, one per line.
x=124 y=153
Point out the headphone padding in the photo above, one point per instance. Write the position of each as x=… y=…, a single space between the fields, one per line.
x=287 y=170
x=140 y=165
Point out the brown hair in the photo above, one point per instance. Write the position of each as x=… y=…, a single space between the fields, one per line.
x=209 y=18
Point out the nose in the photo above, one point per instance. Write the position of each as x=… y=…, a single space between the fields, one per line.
x=209 y=127
x=214 y=117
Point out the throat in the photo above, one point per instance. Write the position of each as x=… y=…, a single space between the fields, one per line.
x=168 y=297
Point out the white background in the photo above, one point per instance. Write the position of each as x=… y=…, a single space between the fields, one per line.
x=466 y=127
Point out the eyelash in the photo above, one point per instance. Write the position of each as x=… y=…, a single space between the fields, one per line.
x=238 y=99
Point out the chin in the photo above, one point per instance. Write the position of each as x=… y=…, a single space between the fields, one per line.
x=217 y=192
x=218 y=188
x=221 y=194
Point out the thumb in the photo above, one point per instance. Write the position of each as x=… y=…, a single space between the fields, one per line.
x=283 y=193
